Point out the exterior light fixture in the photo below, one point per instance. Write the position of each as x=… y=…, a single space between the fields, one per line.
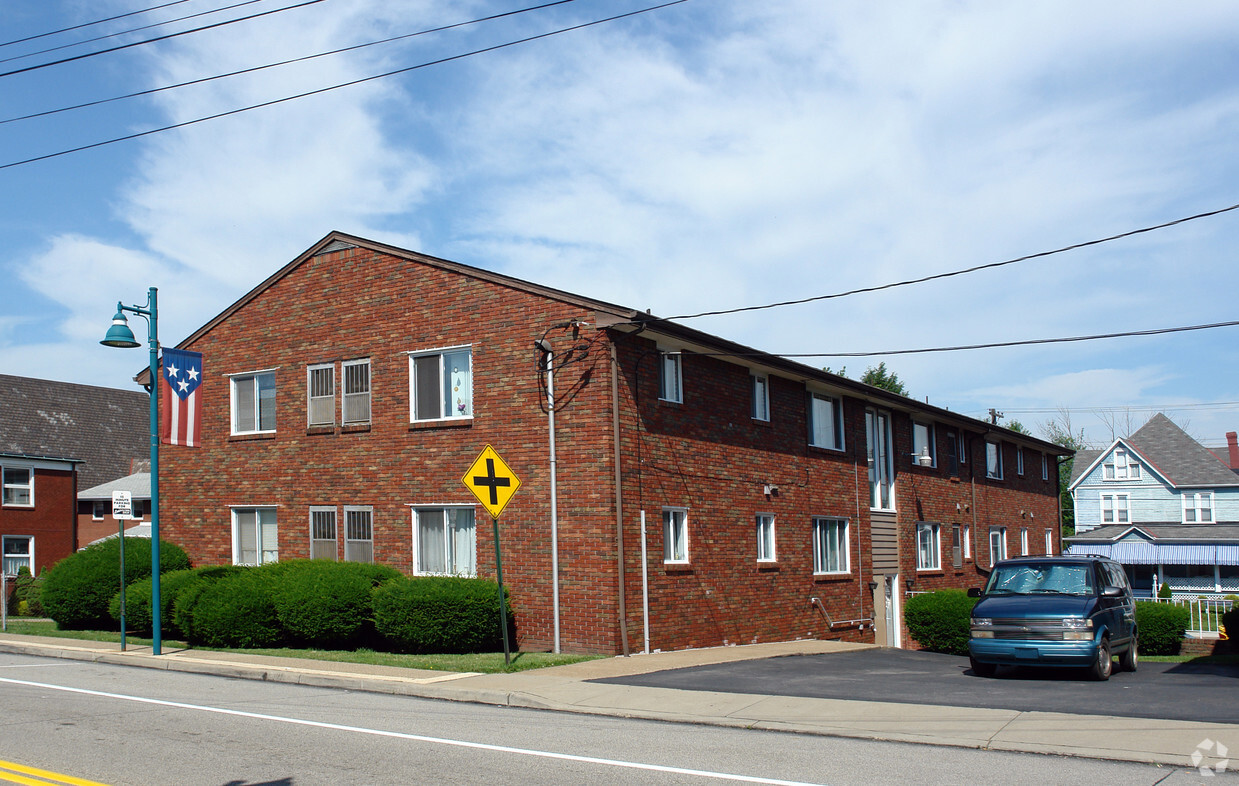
x=119 y=335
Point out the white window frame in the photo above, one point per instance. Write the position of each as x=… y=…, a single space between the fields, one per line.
x=456 y=563
x=823 y=410
x=11 y=488
x=447 y=410
x=928 y=546
x=1024 y=541
x=955 y=438
x=879 y=442
x=319 y=515
x=354 y=401
x=675 y=536
x=1117 y=506
x=966 y=531
x=1120 y=467
x=760 y=387
x=249 y=384
x=264 y=552
x=1049 y=541
x=831 y=538
x=998 y=538
x=1195 y=503
x=358 y=533
x=923 y=439
x=1019 y=460
x=1045 y=466
x=99 y=509
x=993 y=460
x=670 y=376
x=11 y=559
x=765 y=537
x=318 y=376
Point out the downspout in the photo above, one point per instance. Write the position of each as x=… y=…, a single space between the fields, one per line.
x=619 y=499
x=550 y=411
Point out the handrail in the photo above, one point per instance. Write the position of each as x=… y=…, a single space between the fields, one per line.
x=816 y=601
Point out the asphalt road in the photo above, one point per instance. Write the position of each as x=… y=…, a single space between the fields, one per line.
x=1169 y=691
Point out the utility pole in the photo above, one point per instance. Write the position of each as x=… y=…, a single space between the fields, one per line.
x=994 y=416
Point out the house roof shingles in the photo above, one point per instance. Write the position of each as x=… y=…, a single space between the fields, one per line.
x=1169 y=450
x=103 y=428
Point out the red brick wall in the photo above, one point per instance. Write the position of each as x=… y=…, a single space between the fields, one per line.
x=707 y=455
x=51 y=521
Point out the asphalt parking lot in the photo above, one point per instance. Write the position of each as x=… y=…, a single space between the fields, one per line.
x=1170 y=691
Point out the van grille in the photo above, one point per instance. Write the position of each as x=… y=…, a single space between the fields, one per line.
x=1026 y=630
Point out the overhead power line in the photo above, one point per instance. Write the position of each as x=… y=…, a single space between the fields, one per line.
x=320 y=90
x=953 y=273
x=156 y=39
x=90 y=24
x=85 y=41
x=1028 y=342
x=204 y=79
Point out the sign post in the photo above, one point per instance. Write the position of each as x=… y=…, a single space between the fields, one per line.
x=494 y=484
x=122 y=511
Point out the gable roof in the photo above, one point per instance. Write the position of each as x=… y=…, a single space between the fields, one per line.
x=1178 y=457
x=103 y=428
x=624 y=319
x=1166 y=450
x=138 y=484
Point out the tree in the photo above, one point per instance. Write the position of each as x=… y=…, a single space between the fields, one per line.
x=880 y=377
x=1059 y=431
x=1018 y=427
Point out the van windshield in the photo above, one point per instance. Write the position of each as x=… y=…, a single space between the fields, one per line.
x=1038 y=578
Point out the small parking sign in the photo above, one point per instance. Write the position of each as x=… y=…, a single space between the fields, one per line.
x=122 y=505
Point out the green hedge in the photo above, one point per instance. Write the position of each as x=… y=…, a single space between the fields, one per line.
x=1161 y=627
x=328 y=604
x=138 y=602
x=26 y=599
x=940 y=621
x=440 y=614
x=237 y=610
x=77 y=590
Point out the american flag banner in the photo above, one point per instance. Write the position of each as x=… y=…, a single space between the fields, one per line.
x=182 y=378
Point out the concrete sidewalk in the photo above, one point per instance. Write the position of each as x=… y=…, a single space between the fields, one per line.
x=568 y=689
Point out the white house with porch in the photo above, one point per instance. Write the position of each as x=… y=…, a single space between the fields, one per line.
x=1164 y=506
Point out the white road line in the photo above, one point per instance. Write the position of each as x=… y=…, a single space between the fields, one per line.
x=417 y=737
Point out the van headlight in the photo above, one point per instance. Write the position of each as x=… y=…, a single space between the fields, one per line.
x=1076 y=629
x=982 y=628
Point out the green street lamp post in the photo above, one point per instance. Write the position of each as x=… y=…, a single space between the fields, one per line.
x=119 y=335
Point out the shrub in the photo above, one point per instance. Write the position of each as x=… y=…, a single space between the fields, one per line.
x=1230 y=621
x=185 y=602
x=138 y=602
x=940 y=621
x=1164 y=591
x=439 y=614
x=25 y=600
x=234 y=610
x=77 y=590
x=328 y=604
x=1161 y=627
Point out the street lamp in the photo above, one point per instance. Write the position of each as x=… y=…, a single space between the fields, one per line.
x=119 y=335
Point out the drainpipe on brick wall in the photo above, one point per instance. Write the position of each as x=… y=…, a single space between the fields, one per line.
x=548 y=355
x=619 y=499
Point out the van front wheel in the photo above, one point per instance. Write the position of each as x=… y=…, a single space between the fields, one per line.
x=1129 y=659
x=981 y=669
x=1103 y=663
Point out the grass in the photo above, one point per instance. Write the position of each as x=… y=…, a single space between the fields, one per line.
x=485 y=662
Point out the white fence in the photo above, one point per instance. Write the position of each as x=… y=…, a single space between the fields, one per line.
x=1205 y=613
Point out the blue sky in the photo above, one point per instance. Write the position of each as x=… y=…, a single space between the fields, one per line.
x=710 y=155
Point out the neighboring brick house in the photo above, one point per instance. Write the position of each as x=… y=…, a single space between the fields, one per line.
x=345 y=397
x=1165 y=506
x=56 y=437
x=94 y=507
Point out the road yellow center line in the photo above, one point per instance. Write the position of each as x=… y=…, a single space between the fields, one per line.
x=17 y=773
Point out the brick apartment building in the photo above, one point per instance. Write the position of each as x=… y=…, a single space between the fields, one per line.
x=345 y=397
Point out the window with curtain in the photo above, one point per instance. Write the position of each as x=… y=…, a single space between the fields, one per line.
x=830 y=545
x=445 y=541
x=255 y=536
x=441 y=384
x=253 y=403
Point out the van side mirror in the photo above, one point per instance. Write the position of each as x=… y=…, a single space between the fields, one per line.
x=974 y=592
x=1112 y=592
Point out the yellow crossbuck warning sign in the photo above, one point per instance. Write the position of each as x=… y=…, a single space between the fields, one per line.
x=491 y=481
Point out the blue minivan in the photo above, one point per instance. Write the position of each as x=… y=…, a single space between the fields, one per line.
x=1054 y=611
